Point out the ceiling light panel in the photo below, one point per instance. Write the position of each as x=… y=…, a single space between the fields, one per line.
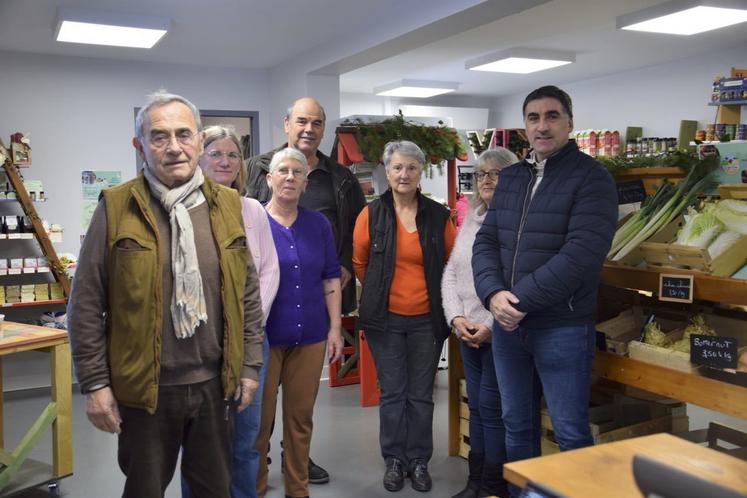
x=416 y=88
x=520 y=61
x=685 y=17
x=107 y=28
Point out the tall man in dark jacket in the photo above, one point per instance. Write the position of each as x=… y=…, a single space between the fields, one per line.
x=536 y=262
x=332 y=189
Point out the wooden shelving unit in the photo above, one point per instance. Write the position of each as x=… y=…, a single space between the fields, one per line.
x=40 y=234
x=705 y=287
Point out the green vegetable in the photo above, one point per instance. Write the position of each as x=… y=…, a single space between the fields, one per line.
x=724 y=241
x=733 y=214
x=699 y=179
x=652 y=334
x=700 y=228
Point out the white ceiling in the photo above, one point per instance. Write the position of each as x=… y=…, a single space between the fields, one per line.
x=401 y=38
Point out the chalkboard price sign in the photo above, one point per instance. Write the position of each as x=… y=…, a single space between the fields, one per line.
x=677 y=288
x=632 y=191
x=719 y=352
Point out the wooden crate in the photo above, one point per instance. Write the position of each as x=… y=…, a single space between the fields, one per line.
x=622 y=329
x=733 y=191
x=696 y=258
x=714 y=437
x=666 y=234
x=626 y=418
x=665 y=357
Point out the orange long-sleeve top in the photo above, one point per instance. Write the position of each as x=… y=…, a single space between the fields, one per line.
x=408 y=294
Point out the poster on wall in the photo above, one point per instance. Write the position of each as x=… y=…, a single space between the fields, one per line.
x=91 y=184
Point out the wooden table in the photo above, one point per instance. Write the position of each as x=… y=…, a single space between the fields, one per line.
x=607 y=470
x=20 y=472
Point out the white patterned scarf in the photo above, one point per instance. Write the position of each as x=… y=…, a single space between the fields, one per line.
x=188 y=298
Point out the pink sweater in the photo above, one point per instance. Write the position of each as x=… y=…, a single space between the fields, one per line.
x=458 y=285
x=262 y=247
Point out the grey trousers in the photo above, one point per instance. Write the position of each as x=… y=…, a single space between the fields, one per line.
x=190 y=417
x=406 y=357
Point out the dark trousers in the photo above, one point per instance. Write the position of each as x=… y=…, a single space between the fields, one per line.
x=406 y=357
x=189 y=418
x=487 y=434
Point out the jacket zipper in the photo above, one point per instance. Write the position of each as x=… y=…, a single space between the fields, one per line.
x=525 y=209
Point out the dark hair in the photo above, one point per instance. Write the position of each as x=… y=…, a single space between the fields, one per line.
x=553 y=92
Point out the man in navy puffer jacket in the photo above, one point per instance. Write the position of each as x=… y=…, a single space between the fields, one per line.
x=536 y=262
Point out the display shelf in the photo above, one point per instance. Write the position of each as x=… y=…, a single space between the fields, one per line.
x=16 y=200
x=708 y=393
x=48 y=302
x=706 y=287
x=728 y=102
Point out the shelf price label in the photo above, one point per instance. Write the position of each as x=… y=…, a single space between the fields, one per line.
x=676 y=288
x=719 y=352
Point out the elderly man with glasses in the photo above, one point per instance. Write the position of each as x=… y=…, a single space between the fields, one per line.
x=164 y=317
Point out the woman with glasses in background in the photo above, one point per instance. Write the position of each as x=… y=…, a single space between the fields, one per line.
x=222 y=162
x=304 y=321
x=472 y=324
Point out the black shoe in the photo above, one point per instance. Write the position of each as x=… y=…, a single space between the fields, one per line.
x=421 y=479
x=317 y=475
x=394 y=476
x=475 y=476
x=493 y=483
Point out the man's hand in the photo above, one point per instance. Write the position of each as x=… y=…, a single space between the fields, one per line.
x=334 y=344
x=103 y=411
x=345 y=276
x=245 y=393
x=501 y=305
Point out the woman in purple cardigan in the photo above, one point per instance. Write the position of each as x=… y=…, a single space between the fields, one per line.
x=304 y=320
x=472 y=323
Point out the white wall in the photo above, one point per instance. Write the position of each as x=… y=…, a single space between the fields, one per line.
x=656 y=97
x=79 y=113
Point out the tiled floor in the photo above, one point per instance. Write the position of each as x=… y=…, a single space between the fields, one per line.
x=345 y=442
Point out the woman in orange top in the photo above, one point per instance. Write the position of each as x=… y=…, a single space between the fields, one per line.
x=401 y=243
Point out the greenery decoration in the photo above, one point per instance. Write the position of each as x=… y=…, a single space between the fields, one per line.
x=438 y=143
x=677 y=157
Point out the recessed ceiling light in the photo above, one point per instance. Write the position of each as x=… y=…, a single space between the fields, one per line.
x=685 y=17
x=107 y=28
x=520 y=60
x=416 y=88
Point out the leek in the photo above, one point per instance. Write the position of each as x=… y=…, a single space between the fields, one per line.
x=699 y=179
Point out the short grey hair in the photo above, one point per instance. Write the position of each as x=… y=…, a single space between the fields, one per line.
x=288 y=153
x=289 y=111
x=499 y=156
x=160 y=98
x=403 y=148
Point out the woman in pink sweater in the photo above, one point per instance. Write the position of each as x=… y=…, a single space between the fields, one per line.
x=472 y=323
x=222 y=161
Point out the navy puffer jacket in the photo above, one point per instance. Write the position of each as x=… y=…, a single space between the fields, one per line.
x=548 y=250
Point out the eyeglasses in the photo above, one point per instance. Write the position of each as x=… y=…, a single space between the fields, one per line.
x=160 y=140
x=481 y=175
x=297 y=172
x=231 y=156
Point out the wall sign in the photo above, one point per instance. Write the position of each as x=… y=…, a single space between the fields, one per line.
x=719 y=352
x=676 y=288
x=628 y=192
